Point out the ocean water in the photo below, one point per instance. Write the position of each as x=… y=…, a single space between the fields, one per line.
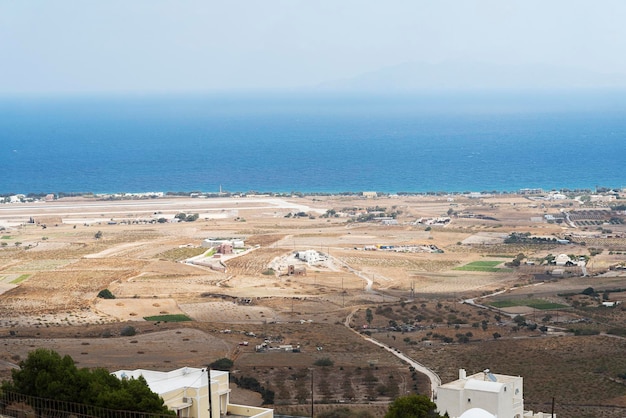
x=313 y=143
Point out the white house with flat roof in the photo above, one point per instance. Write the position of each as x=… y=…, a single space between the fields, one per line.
x=186 y=391
x=216 y=242
x=484 y=394
x=310 y=256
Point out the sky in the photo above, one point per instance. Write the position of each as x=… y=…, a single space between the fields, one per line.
x=144 y=46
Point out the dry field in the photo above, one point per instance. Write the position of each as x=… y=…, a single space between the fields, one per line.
x=50 y=278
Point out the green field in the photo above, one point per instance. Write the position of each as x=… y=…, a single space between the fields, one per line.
x=168 y=318
x=20 y=279
x=532 y=303
x=487 y=266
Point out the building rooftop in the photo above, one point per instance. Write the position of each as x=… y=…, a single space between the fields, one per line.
x=485 y=381
x=162 y=382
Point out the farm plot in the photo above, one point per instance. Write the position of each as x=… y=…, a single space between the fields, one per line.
x=264 y=239
x=58 y=291
x=531 y=303
x=39 y=265
x=485 y=266
x=109 y=264
x=253 y=263
x=448 y=284
x=228 y=312
x=417 y=262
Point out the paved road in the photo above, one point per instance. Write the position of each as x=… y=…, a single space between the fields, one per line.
x=74 y=208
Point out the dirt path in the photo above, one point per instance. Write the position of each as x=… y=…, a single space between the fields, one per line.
x=435 y=380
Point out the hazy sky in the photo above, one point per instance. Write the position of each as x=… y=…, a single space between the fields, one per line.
x=152 y=45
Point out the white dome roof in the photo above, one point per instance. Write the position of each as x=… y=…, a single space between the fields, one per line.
x=476 y=413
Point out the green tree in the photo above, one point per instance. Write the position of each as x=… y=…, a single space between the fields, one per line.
x=106 y=294
x=369 y=317
x=46 y=374
x=98 y=235
x=520 y=320
x=413 y=406
x=192 y=217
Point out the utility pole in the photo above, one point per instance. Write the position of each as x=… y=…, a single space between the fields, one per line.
x=343 y=295
x=208 y=370
x=311 y=393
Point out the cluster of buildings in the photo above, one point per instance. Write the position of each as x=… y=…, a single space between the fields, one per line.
x=22 y=198
x=216 y=242
x=143 y=195
x=223 y=246
x=438 y=221
x=430 y=248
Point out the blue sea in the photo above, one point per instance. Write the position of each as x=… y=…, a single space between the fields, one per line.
x=264 y=142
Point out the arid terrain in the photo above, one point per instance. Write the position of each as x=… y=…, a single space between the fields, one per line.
x=450 y=281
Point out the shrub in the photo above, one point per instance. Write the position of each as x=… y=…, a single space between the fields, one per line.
x=589 y=292
x=106 y=294
x=128 y=331
x=223 y=364
x=324 y=362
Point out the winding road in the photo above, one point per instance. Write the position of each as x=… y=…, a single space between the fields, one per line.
x=435 y=380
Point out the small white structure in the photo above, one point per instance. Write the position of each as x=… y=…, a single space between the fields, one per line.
x=310 y=256
x=562 y=260
x=556 y=196
x=216 y=242
x=186 y=391
x=483 y=395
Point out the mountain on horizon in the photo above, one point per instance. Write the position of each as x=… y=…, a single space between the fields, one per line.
x=449 y=75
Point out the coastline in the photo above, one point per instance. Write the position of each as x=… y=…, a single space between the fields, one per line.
x=115 y=196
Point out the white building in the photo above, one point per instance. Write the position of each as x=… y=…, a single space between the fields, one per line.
x=484 y=394
x=216 y=242
x=186 y=391
x=310 y=256
x=562 y=260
